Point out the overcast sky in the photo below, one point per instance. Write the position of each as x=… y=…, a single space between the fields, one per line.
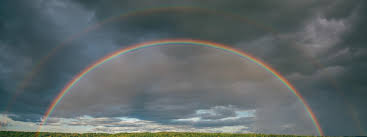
x=319 y=46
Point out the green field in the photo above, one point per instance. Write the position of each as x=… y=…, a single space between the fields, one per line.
x=160 y=134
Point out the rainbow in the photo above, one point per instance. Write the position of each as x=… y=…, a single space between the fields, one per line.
x=168 y=42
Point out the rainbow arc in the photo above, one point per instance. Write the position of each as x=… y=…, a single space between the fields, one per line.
x=173 y=42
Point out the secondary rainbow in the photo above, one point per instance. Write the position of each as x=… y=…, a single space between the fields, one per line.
x=172 y=42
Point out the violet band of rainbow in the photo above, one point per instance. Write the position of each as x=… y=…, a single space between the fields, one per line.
x=173 y=42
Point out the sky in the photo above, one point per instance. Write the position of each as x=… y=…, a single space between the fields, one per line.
x=319 y=46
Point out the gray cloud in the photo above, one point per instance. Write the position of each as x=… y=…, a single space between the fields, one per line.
x=218 y=112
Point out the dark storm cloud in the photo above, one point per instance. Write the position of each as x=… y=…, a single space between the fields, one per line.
x=339 y=82
x=29 y=30
x=285 y=19
x=307 y=32
x=351 y=85
x=21 y=38
x=285 y=14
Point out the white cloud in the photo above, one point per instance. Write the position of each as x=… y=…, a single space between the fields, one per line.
x=10 y=124
x=320 y=34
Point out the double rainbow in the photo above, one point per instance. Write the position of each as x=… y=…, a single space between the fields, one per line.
x=173 y=42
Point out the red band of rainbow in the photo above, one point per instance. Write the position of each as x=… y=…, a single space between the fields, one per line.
x=168 y=42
